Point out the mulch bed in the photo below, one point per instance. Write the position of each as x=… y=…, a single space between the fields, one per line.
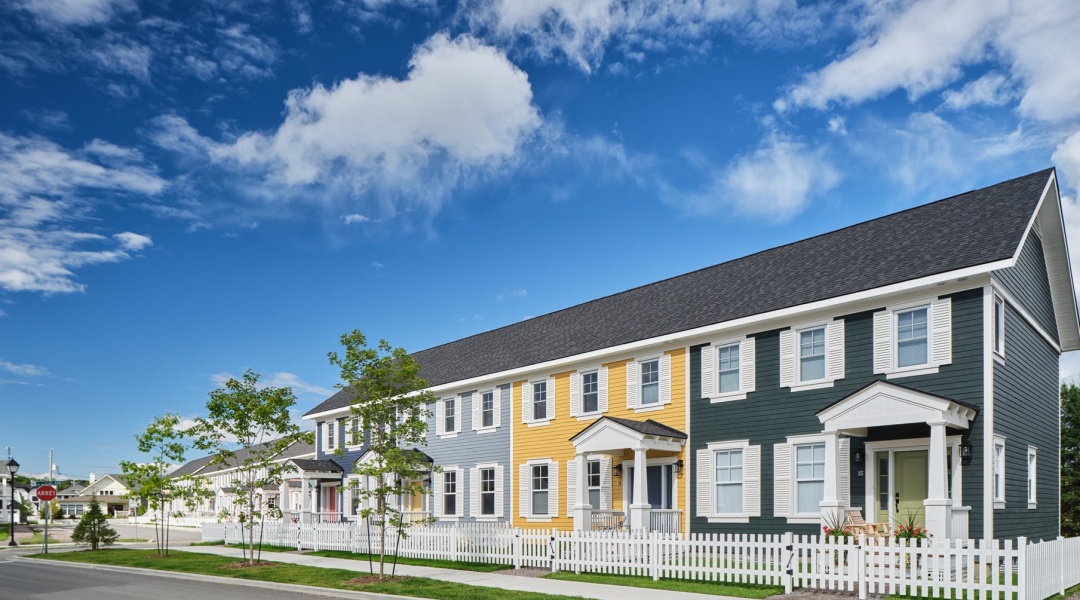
x=525 y=572
x=247 y=565
x=370 y=579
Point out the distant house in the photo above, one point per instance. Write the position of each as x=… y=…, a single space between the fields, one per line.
x=111 y=492
x=22 y=496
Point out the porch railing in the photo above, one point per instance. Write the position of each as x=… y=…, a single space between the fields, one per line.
x=607 y=520
x=665 y=520
x=958 y=528
x=307 y=516
x=415 y=516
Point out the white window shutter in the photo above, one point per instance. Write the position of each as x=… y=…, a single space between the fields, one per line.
x=844 y=471
x=708 y=371
x=665 y=378
x=747 y=366
x=551 y=398
x=526 y=404
x=437 y=491
x=705 y=482
x=524 y=483
x=782 y=504
x=883 y=341
x=474 y=492
x=499 y=499
x=553 y=488
x=605 y=483
x=575 y=394
x=571 y=487
x=941 y=331
x=440 y=422
x=497 y=399
x=477 y=401
x=752 y=481
x=835 y=352
x=602 y=389
x=631 y=385
x=787 y=358
x=460 y=504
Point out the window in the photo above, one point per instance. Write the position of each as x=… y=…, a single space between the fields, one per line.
x=592 y=480
x=487 y=492
x=809 y=477
x=999 y=472
x=355 y=435
x=729 y=481
x=539 y=489
x=999 y=325
x=331 y=426
x=539 y=401
x=650 y=381
x=812 y=354
x=590 y=392
x=487 y=409
x=449 y=415
x=450 y=493
x=728 y=368
x=1031 y=480
x=911 y=338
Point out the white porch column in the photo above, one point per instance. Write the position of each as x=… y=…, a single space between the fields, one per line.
x=283 y=497
x=640 y=507
x=347 y=498
x=582 y=508
x=305 y=495
x=831 y=510
x=937 y=497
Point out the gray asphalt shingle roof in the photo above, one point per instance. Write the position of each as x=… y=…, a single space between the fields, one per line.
x=974 y=228
x=197 y=465
x=648 y=427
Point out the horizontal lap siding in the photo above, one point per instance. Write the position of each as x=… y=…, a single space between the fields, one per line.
x=1028 y=283
x=349 y=454
x=771 y=413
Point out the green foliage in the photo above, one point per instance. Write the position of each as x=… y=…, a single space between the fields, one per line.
x=246 y=429
x=390 y=399
x=1070 y=460
x=94 y=528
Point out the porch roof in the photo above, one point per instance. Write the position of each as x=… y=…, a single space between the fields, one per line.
x=609 y=434
x=882 y=403
x=310 y=465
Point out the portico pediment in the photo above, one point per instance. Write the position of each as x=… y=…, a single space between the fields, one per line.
x=881 y=404
x=611 y=435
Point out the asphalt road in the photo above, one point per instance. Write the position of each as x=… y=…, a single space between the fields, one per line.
x=23 y=580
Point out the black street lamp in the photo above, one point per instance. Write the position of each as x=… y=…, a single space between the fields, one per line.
x=12 y=468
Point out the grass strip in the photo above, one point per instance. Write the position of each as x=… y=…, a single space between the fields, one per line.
x=208 y=564
x=415 y=562
x=716 y=588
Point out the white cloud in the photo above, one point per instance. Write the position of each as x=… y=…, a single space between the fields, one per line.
x=55 y=120
x=514 y=293
x=128 y=57
x=1067 y=158
x=24 y=370
x=991 y=89
x=75 y=12
x=281 y=379
x=133 y=241
x=40 y=208
x=354 y=218
x=378 y=265
x=837 y=125
x=775 y=182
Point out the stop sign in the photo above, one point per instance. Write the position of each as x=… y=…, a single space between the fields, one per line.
x=46 y=493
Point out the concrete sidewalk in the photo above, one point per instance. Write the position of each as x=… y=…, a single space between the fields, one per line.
x=495 y=580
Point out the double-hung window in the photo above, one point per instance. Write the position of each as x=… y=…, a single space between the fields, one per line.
x=539 y=489
x=912 y=347
x=331 y=430
x=650 y=381
x=487 y=492
x=812 y=354
x=540 y=400
x=487 y=409
x=450 y=493
x=592 y=480
x=809 y=477
x=590 y=392
x=728 y=481
x=728 y=368
x=450 y=415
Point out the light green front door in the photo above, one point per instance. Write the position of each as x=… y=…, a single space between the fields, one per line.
x=910 y=487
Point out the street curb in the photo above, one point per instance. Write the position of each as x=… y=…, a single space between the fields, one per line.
x=266 y=585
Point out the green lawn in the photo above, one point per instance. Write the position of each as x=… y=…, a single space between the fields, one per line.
x=416 y=562
x=207 y=564
x=131 y=540
x=715 y=588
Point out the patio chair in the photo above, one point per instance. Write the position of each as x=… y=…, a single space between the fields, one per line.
x=856 y=525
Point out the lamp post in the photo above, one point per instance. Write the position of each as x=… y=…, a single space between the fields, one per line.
x=12 y=468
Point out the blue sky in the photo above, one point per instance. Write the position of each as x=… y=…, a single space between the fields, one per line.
x=190 y=189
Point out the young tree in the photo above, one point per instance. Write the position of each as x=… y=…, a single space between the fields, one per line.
x=93 y=528
x=246 y=430
x=389 y=397
x=1070 y=460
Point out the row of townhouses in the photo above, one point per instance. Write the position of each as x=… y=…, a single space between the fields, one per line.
x=903 y=369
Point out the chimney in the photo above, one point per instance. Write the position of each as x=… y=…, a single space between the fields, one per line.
x=93 y=477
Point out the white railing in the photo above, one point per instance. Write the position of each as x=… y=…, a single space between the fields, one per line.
x=308 y=516
x=665 y=520
x=415 y=516
x=958 y=528
x=606 y=520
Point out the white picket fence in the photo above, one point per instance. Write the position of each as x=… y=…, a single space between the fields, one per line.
x=948 y=569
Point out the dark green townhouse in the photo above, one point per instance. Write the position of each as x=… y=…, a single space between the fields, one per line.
x=901 y=369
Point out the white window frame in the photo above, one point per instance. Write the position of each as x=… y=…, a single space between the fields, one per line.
x=352 y=425
x=929 y=364
x=532 y=400
x=999 y=472
x=999 y=328
x=746 y=367
x=799 y=381
x=479 y=397
x=890 y=369
x=494 y=491
x=456 y=399
x=457 y=493
x=589 y=487
x=741 y=483
x=581 y=381
x=795 y=478
x=329 y=435
x=743 y=446
x=641 y=383
x=1032 y=477
x=532 y=480
x=738 y=371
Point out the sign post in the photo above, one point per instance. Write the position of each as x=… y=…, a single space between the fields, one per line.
x=46 y=493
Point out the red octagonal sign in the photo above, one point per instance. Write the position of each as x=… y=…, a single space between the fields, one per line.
x=46 y=493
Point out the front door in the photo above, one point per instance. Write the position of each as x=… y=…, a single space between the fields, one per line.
x=910 y=488
x=659 y=487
